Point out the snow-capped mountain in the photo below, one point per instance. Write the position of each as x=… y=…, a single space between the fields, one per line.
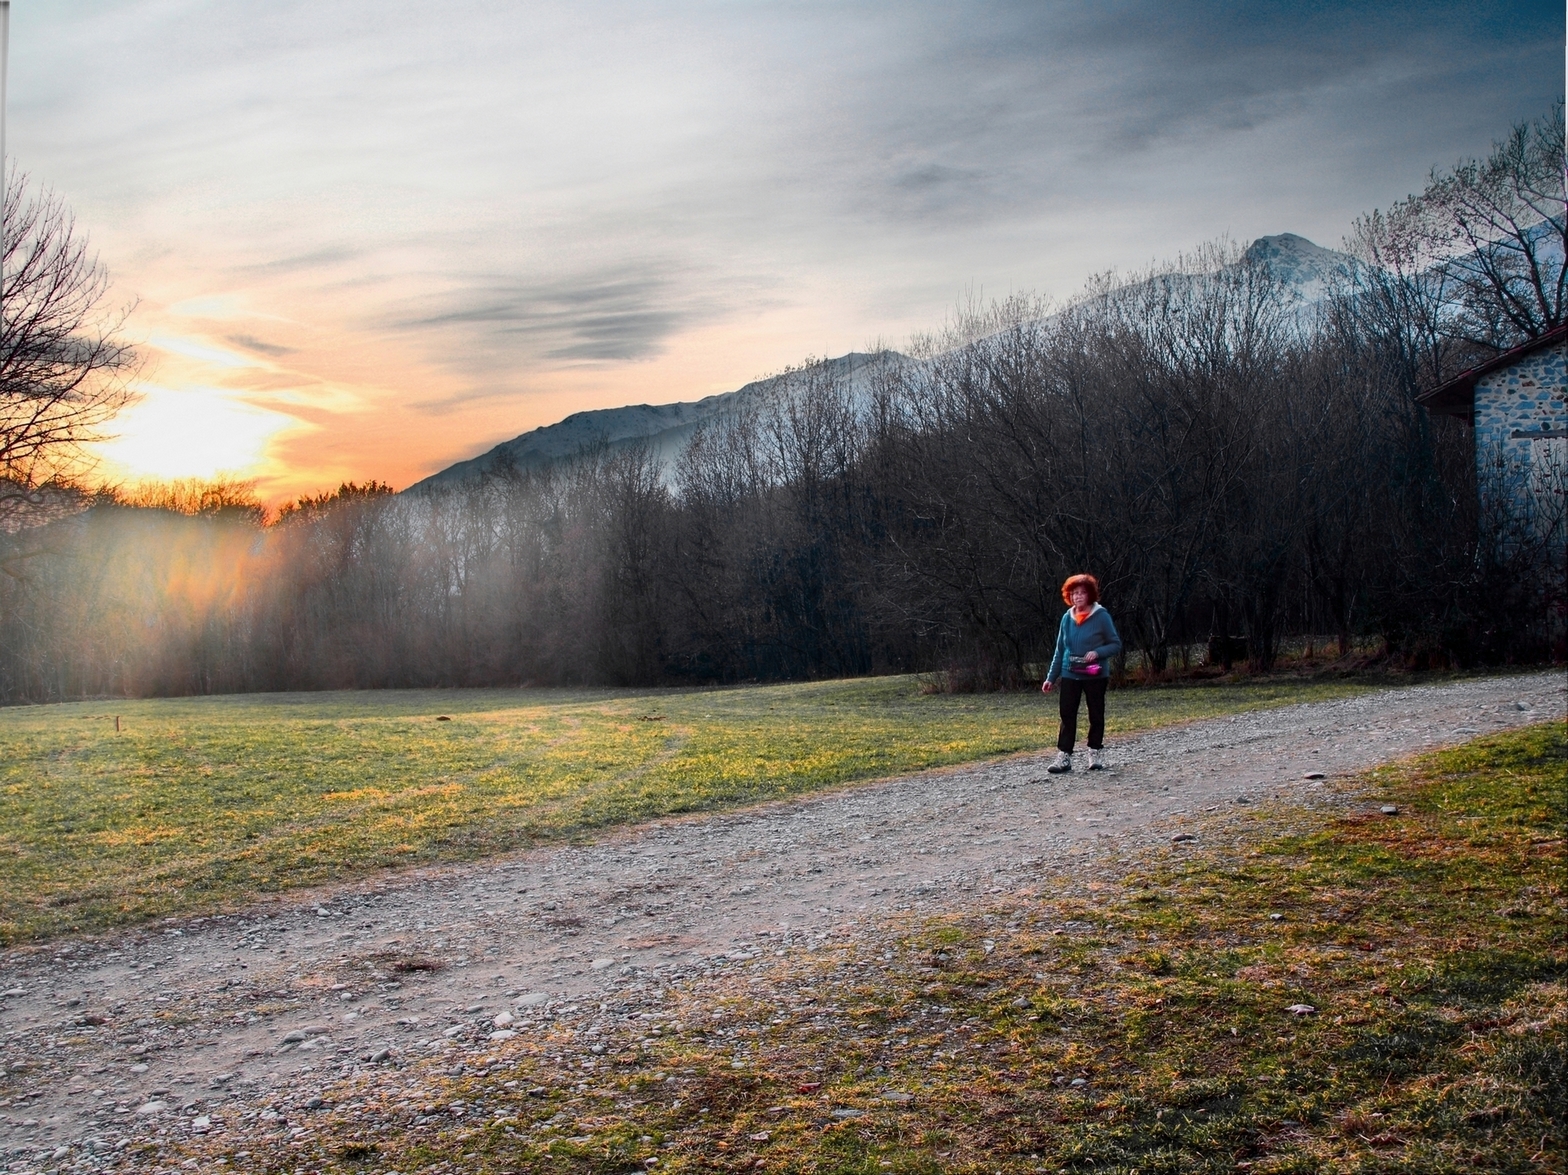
x=668 y=428
x=1300 y=264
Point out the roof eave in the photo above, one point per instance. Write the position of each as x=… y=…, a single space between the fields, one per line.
x=1450 y=401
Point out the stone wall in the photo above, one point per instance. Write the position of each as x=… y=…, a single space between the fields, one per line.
x=1513 y=407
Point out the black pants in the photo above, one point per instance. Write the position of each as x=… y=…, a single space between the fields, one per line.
x=1070 y=690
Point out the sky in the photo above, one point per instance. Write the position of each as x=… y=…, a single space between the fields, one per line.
x=366 y=240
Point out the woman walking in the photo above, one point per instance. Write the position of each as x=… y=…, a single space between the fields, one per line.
x=1085 y=643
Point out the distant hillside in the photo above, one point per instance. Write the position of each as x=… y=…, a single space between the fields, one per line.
x=667 y=428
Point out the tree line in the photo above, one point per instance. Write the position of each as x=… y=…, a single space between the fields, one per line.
x=1236 y=464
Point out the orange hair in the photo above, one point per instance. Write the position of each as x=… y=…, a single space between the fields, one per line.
x=1078 y=581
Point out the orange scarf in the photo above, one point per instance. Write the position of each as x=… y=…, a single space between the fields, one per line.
x=1080 y=618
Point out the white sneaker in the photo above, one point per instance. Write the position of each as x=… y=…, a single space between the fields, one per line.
x=1062 y=762
x=1096 y=760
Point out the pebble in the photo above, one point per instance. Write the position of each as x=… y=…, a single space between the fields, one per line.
x=503 y=1020
x=1390 y=809
x=1314 y=775
x=1276 y=917
x=1301 y=1009
x=601 y=964
x=1182 y=837
x=501 y=1034
x=898 y=1096
x=154 y=1107
x=845 y=1115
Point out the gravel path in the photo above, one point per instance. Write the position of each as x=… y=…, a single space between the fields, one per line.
x=168 y=1029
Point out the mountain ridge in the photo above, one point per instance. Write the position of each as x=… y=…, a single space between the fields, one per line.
x=665 y=428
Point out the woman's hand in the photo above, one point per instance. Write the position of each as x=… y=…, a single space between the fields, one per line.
x=1045 y=687
x=1091 y=656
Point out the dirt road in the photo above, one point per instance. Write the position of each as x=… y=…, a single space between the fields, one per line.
x=166 y=1029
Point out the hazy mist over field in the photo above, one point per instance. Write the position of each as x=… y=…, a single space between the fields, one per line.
x=370 y=240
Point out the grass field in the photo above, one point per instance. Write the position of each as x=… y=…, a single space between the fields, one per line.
x=201 y=803
x=1369 y=994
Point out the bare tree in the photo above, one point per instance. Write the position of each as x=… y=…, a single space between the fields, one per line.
x=1501 y=225
x=1477 y=257
x=63 y=365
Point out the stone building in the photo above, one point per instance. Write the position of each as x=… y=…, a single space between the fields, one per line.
x=1517 y=405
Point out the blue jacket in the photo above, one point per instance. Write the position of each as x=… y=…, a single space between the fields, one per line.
x=1096 y=634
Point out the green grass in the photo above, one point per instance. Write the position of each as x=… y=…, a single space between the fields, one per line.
x=1431 y=946
x=202 y=803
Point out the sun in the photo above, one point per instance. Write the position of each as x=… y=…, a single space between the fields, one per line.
x=191 y=432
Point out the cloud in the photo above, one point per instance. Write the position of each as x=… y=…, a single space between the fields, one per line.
x=199 y=350
x=463 y=398
x=324 y=258
x=251 y=343
x=1001 y=112
x=933 y=175
x=621 y=315
x=325 y=137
